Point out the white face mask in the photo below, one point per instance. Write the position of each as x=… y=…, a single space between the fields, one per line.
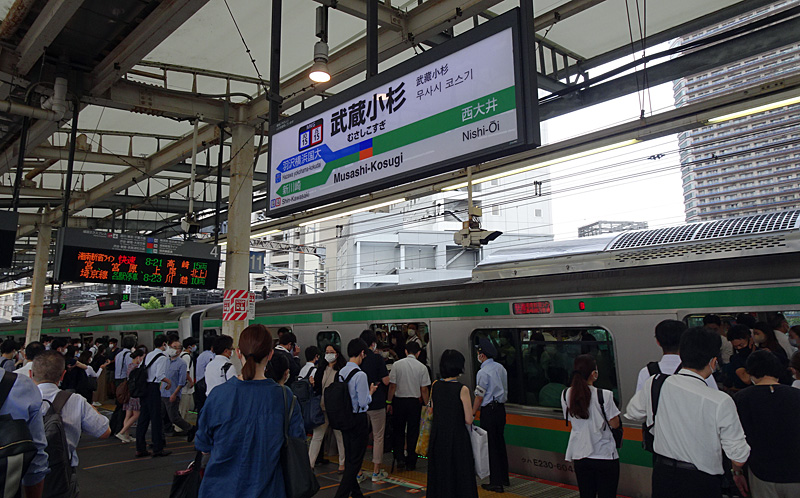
x=194 y=348
x=170 y=352
x=330 y=357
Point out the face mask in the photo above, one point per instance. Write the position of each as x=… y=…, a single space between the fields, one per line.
x=759 y=339
x=63 y=352
x=330 y=357
x=170 y=352
x=193 y=349
x=385 y=354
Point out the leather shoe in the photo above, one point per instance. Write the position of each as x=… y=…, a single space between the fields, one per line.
x=162 y=453
x=140 y=454
x=493 y=488
x=191 y=433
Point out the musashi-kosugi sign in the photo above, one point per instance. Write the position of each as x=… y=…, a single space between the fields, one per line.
x=461 y=103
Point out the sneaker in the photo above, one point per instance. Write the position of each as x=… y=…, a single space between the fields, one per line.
x=122 y=437
x=96 y=403
x=129 y=439
x=380 y=476
x=361 y=477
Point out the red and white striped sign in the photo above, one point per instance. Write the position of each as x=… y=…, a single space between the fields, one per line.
x=236 y=305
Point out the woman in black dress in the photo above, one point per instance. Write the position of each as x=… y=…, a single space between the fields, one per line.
x=451 y=469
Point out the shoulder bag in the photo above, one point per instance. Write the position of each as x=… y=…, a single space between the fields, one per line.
x=617 y=433
x=298 y=476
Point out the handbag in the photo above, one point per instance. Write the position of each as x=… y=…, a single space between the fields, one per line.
x=617 y=433
x=425 y=423
x=480 y=450
x=298 y=476
x=186 y=483
x=122 y=394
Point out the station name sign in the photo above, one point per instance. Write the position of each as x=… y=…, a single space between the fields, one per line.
x=111 y=258
x=461 y=103
x=8 y=235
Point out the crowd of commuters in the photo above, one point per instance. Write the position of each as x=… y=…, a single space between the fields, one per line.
x=721 y=404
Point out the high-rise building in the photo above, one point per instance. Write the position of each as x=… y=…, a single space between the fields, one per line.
x=748 y=165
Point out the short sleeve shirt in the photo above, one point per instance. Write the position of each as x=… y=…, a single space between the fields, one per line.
x=375 y=368
x=176 y=373
x=409 y=375
x=492 y=378
x=78 y=416
x=591 y=437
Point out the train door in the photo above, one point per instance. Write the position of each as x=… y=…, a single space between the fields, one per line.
x=393 y=336
x=326 y=337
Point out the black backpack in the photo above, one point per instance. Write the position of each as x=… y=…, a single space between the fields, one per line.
x=309 y=403
x=4 y=361
x=653 y=368
x=137 y=380
x=17 y=449
x=338 y=404
x=59 y=482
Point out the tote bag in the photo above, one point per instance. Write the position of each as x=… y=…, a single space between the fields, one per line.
x=298 y=476
x=425 y=423
x=186 y=483
x=480 y=450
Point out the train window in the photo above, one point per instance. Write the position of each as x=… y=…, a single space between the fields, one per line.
x=539 y=360
x=327 y=337
x=392 y=334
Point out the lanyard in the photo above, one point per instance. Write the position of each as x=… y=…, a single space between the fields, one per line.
x=693 y=377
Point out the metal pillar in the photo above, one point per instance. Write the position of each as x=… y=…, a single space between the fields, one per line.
x=218 y=200
x=73 y=138
x=34 y=330
x=372 y=38
x=237 y=263
x=275 y=65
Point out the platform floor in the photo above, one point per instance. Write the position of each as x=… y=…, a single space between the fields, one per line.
x=108 y=469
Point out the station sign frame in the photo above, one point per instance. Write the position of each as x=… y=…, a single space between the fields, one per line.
x=298 y=145
x=113 y=258
x=9 y=221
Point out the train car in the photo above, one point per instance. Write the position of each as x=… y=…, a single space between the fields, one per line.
x=143 y=324
x=542 y=306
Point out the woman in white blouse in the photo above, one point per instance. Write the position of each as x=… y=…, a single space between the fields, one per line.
x=591 y=446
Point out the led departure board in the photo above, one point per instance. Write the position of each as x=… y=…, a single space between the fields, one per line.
x=8 y=235
x=111 y=258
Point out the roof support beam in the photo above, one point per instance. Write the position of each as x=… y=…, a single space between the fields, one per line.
x=48 y=24
x=161 y=23
x=389 y=17
x=61 y=153
x=742 y=47
x=147 y=99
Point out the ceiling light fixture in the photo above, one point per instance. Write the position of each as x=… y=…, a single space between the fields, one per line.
x=551 y=162
x=354 y=211
x=755 y=110
x=319 y=71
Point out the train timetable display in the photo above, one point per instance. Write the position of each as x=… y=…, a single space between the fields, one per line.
x=109 y=258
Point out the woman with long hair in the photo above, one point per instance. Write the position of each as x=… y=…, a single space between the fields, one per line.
x=450 y=459
x=132 y=407
x=591 y=447
x=764 y=337
x=327 y=368
x=241 y=426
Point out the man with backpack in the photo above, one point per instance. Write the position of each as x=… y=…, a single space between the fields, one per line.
x=21 y=423
x=8 y=355
x=155 y=371
x=668 y=338
x=187 y=394
x=66 y=415
x=346 y=402
x=220 y=369
x=692 y=424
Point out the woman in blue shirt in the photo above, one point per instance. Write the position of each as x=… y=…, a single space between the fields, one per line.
x=241 y=426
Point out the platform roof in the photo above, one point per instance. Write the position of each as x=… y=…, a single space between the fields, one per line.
x=137 y=125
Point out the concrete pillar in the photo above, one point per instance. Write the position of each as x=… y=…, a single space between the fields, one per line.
x=237 y=263
x=34 y=330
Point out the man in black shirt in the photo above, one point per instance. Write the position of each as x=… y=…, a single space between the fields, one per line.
x=742 y=342
x=375 y=368
x=287 y=346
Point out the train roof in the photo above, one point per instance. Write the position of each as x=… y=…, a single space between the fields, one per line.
x=719 y=239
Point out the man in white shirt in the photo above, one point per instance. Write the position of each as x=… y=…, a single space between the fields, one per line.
x=31 y=351
x=310 y=368
x=781 y=327
x=220 y=369
x=714 y=322
x=203 y=359
x=693 y=424
x=76 y=413
x=187 y=393
x=408 y=382
x=156 y=364
x=668 y=338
